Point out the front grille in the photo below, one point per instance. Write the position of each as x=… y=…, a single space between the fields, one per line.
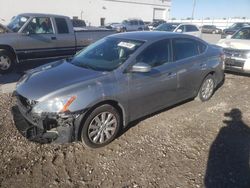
x=234 y=63
x=234 y=53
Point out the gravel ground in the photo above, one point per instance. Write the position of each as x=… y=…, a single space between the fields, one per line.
x=183 y=146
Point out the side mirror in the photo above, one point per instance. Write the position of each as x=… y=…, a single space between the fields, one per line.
x=179 y=31
x=141 y=67
x=228 y=36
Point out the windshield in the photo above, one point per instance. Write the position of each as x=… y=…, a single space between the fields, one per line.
x=106 y=54
x=166 y=27
x=242 y=34
x=17 y=22
x=238 y=25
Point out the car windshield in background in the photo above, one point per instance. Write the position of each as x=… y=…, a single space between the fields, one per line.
x=239 y=25
x=242 y=34
x=17 y=22
x=106 y=54
x=166 y=27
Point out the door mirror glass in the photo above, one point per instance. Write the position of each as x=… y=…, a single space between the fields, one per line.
x=141 y=67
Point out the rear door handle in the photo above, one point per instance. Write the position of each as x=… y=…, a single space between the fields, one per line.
x=53 y=38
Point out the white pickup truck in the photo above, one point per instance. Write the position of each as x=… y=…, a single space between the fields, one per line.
x=43 y=36
x=237 y=50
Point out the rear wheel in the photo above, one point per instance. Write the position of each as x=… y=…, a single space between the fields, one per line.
x=101 y=126
x=7 y=61
x=207 y=89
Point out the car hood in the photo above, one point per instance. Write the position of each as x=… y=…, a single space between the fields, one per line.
x=52 y=77
x=235 y=44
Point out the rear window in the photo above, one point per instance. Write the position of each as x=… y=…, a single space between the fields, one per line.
x=62 y=26
x=184 y=48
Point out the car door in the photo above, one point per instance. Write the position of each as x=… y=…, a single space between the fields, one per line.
x=156 y=89
x=36 y=40
x=189 y=61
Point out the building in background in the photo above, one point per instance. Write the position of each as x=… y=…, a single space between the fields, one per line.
x=94 y=12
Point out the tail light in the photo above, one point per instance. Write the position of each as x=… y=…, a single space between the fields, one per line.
x=222 y=59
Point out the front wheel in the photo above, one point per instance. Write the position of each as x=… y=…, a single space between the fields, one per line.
x=101 y=126
x=207 y=89
x=7 y=61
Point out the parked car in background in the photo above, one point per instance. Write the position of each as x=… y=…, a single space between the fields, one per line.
x=130 y=25
x=111 y=25
x=232 y=29
x=78 y=23
x=114 y=81
x=43 y=36
x=155 y=23
x=210 y=29
x=237 y=50
x=180 y=28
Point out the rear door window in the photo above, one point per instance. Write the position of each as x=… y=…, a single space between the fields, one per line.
x=202 y=47
x=184 y=48
x=191 y=28
x=141 y=22
x=62 y=26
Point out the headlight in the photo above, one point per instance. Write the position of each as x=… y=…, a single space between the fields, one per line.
x=55 y=105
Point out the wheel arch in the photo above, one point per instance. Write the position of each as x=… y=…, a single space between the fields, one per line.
x=212 y=73
x=113 y=103
x=9 y=49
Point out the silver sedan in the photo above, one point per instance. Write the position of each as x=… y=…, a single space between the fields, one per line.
x=114 y=81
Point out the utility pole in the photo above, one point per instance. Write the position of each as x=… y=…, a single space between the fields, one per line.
x=82 y=14
x=194 y=4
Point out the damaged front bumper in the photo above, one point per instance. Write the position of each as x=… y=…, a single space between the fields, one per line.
x=47 y=127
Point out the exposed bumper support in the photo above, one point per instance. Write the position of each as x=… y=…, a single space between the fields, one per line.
x=47 y=128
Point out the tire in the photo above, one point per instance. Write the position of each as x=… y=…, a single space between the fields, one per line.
x=207 y=89
x=7 y=61
x=95 y=132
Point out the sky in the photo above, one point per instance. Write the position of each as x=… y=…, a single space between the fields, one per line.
x=210 y=8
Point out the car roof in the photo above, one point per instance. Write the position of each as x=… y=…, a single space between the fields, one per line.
x=42 y=15
x=149 y=35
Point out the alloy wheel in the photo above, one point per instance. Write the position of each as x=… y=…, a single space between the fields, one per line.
x=207 y=89
x=5 y=62
x=102 y=127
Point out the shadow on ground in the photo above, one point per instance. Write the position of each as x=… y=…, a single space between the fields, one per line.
x=228 y=161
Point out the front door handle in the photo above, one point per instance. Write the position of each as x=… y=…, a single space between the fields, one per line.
x=172 y=75
x=53 y=38
x=203 y=66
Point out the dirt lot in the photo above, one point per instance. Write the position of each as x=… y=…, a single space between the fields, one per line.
x=184 y=146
